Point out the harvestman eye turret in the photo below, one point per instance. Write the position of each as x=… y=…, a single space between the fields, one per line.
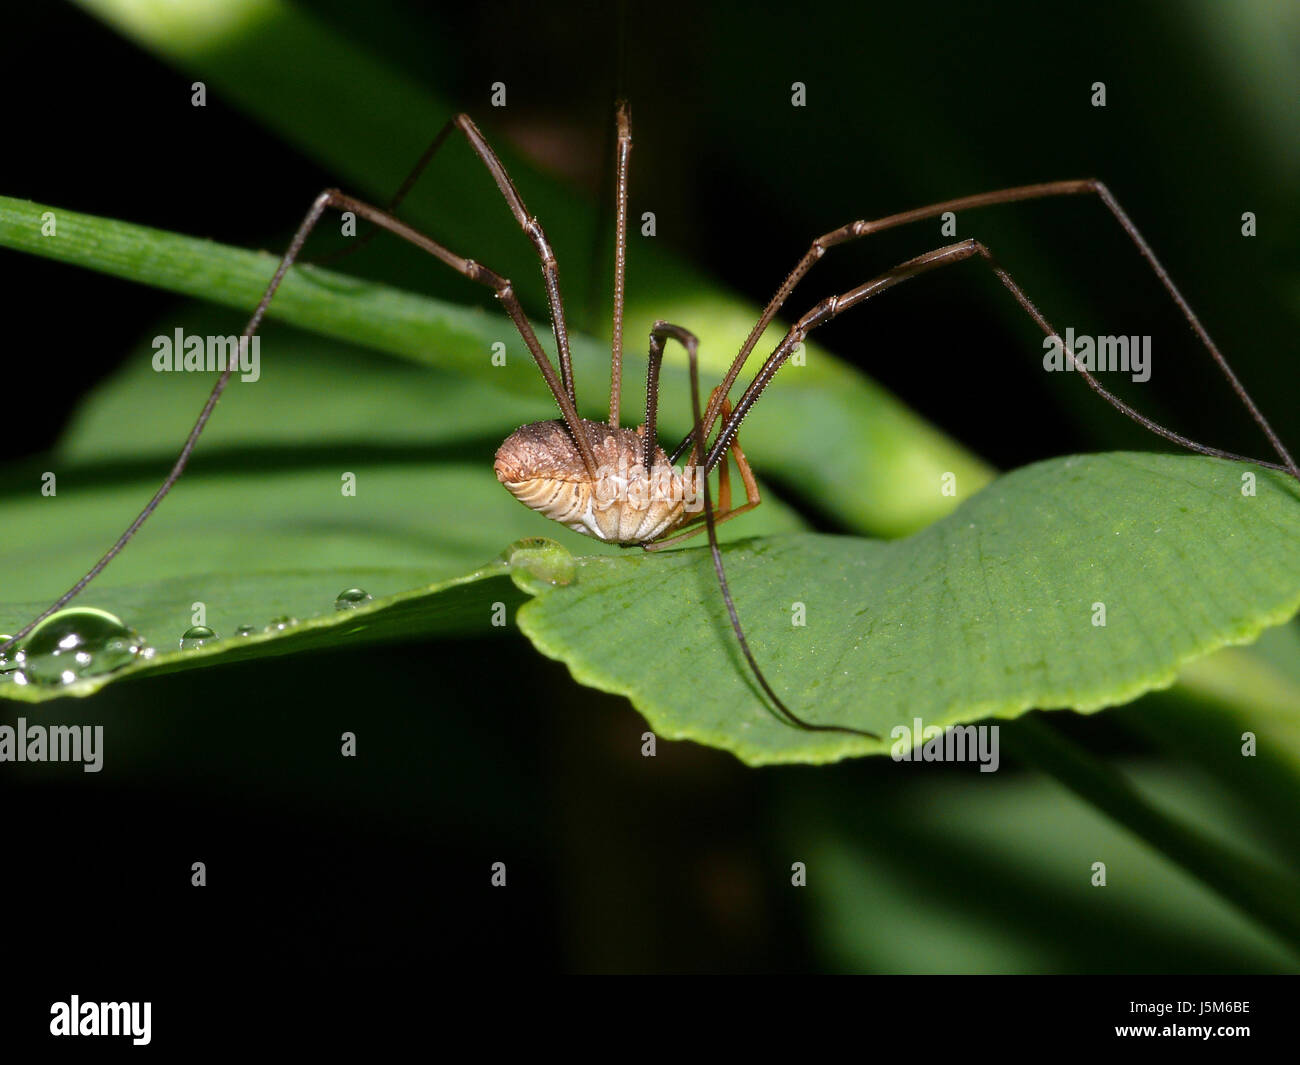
x=616 y=484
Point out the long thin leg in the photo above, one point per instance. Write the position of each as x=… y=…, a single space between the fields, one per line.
x=724 y=489
x=854 y=230
x=408 y=183
x=527 y=222
x=624 y=151
x=663 y=330
x=946 y=256
x=725 y=510
x=651 y=422
x=333 y=198
x=533 y=228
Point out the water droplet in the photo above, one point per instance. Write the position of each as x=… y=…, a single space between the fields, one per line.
x=197 y=637
x=351 y=598
x=540 y=564
x=280 y=624
x=7 y=664
x=77 y=643
x=245 y=630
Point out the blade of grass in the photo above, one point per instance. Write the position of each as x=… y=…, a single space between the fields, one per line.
x=1266 y=894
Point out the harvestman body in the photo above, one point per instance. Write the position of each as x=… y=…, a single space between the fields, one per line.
x=616 y=484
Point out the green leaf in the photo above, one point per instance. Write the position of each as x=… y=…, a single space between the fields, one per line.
x=259 y=526
x=989 y=612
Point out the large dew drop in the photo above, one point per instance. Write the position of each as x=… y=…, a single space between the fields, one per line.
x=74 y=644
x=7 y=663
x=351 y=598
x=196 y=637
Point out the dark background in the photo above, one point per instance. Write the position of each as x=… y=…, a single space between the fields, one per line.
x=323 y=865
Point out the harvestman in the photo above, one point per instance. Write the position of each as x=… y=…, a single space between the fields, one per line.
x=564 y=469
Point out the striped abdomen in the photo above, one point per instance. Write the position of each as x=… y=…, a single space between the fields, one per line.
x=542 y=468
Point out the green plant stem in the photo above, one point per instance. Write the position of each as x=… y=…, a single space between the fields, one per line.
x=1263 y=893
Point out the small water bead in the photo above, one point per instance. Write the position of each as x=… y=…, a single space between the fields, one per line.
x=77 y=643
x=245 y=630
x=8 y=667
x=351 y=598
x=197 y=637
x=280 y=624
